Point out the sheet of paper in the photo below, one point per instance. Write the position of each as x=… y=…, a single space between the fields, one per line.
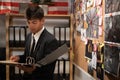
x=94 y=60
x=97 y=2
x=83 y=34
x=9 y=62
x=89 y=3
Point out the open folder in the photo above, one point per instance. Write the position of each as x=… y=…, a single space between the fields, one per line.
x=48 y=59
x=9 y=62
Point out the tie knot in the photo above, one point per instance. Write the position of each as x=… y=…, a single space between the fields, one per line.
x=33 y=39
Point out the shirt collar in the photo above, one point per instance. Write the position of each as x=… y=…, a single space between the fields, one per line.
x=38 y=34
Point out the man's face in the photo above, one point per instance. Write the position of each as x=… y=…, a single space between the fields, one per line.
x=35 y=25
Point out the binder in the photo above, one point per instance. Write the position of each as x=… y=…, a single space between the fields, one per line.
x=47 y=60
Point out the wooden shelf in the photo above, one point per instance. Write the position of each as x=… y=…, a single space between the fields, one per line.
x=58 y=16
x=47 y=16
x=17 y=48
x=14 y=15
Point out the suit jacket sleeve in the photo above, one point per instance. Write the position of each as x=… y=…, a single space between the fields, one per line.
x=27 y=43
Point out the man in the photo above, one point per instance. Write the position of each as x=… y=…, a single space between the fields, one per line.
x=45 y=43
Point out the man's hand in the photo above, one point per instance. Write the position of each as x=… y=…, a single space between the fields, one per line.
x=28 y=69
x=15 y=58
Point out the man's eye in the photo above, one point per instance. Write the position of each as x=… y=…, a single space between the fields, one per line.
x=28 y=22
x=34 y=22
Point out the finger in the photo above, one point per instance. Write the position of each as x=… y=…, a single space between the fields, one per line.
x=11 y=58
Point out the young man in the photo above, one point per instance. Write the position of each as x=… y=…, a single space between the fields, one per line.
x=45 y=43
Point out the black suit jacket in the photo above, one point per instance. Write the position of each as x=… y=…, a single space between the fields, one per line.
x=45 y=45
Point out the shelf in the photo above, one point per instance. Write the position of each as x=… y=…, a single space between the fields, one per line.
x=14 y=15
x=17 y=48
x=58 y=16
x=47 y=16
x=112 y=43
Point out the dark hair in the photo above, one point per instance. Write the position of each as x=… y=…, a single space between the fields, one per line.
x=34 y=12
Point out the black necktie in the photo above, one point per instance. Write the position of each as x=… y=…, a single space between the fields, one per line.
x=33 y=46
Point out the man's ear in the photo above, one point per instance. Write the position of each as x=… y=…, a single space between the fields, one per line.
x=43 y=21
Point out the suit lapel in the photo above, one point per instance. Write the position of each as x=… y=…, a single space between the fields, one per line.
x=29 y=44
x=39 y=41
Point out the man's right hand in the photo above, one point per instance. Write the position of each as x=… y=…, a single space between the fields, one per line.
x=15 y=58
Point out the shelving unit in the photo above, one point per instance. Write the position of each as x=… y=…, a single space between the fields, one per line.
x=9 y=22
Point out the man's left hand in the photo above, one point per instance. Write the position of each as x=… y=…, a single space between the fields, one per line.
x=28 y=69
